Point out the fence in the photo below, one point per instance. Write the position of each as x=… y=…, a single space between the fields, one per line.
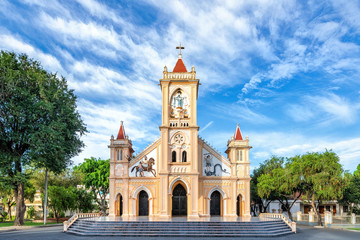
x=68 y=223
x=328 y=219
x=290 y=223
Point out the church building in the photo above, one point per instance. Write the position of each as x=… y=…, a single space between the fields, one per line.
x=179 y=174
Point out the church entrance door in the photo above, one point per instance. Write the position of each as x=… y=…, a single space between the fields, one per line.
x=215 y=204
x=143 y=204
x=179 y=201
x=238 y=205
x=118 y=205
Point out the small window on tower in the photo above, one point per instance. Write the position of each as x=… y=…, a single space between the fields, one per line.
x=184 y=156
x=241 y=156
x=121 y=155
x=117 y=155
x=173 y=156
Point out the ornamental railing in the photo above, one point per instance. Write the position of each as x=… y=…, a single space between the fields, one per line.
x=71 y=220
x=281 y=216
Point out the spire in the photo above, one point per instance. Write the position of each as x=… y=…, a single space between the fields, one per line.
x=180 y=66
x=121 y=134
x=237 y=135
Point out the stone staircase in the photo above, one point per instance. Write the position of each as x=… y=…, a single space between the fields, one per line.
x=90 y=227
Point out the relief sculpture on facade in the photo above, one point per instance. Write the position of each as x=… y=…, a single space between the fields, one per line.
x=145 y=165
x=209 y=164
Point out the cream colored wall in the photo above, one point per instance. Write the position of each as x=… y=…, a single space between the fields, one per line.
x=188 y=174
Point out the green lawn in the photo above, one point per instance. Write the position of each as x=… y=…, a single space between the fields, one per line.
x=27 y=223
x=354 y=229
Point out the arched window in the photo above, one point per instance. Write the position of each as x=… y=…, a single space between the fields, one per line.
x=173 y=156
x=117 y=154
x=121 y=155
x=184 y=156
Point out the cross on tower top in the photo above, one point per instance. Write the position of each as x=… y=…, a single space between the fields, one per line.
x=180 y=47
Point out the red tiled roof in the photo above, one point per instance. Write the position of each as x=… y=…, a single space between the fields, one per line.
x=180 y=66
x=238 y=134
x=121 y=134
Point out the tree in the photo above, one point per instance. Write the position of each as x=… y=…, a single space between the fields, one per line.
x=39 y=123
x=351 y=193
x=67 y=178
x=277 y=184
x=84 y=200
x=264 y=168
x=7 y=195
x=96 y=177
x=61 y=200
x=320 y=175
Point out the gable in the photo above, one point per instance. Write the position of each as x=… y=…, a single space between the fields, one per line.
x=151 y=152
x=213 y=163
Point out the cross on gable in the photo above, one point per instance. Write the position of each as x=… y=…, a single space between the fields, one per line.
x=180 y=47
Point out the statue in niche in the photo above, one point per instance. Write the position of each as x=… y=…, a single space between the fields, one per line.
x=178 y=101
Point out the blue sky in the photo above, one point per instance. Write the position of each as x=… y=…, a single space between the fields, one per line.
x=286 y=71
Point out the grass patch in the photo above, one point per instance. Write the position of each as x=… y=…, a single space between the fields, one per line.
x=27 y=223
x=358 y=229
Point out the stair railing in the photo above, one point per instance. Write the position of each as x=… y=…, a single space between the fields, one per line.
x=286 y=219
x=71 y=220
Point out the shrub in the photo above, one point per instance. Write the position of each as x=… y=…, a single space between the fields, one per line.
x=31 y=212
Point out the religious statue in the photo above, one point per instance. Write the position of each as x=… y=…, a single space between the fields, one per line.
x=178 y=101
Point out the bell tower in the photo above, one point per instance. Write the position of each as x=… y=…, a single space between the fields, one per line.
x=238 y=154
x=179 y=131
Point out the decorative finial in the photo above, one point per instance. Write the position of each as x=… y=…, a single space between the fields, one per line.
x=180 y=47
x=165 y=68
x=122 y=122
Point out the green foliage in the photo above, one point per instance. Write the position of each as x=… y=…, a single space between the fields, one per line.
x=67 y=178
x=29 y=191
x=84 y=200
x=61 y=200
x=96 y=178
x=39 y=123
x=3 y=216
x=30 y=212
x=51 y=214
x=320 y=176
x=351 y=193
x=276 y=184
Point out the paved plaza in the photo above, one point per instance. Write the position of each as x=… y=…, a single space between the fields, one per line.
x=55 y=233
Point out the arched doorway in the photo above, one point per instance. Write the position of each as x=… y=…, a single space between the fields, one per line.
x=238 y=205
x=118 y=205
x=179 y=201
x=143 y=203
x=215 y=204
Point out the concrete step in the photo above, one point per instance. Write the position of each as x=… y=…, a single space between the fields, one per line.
x=179 y=229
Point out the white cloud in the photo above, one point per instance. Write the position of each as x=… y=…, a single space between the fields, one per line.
x=338 y=108
x=299 y=113
x=11 y=43
x=240 y=111
x=289 y=144
x=100 y=10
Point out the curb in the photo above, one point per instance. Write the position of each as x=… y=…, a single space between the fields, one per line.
x=17 y=228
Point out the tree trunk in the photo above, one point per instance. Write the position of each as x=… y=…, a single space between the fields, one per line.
x=20 y=205
x=45 y=196
x=289 y=213
x=9 y=212
x=316 y=210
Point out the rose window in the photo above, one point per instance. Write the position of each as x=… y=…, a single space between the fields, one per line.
x=179 y=138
